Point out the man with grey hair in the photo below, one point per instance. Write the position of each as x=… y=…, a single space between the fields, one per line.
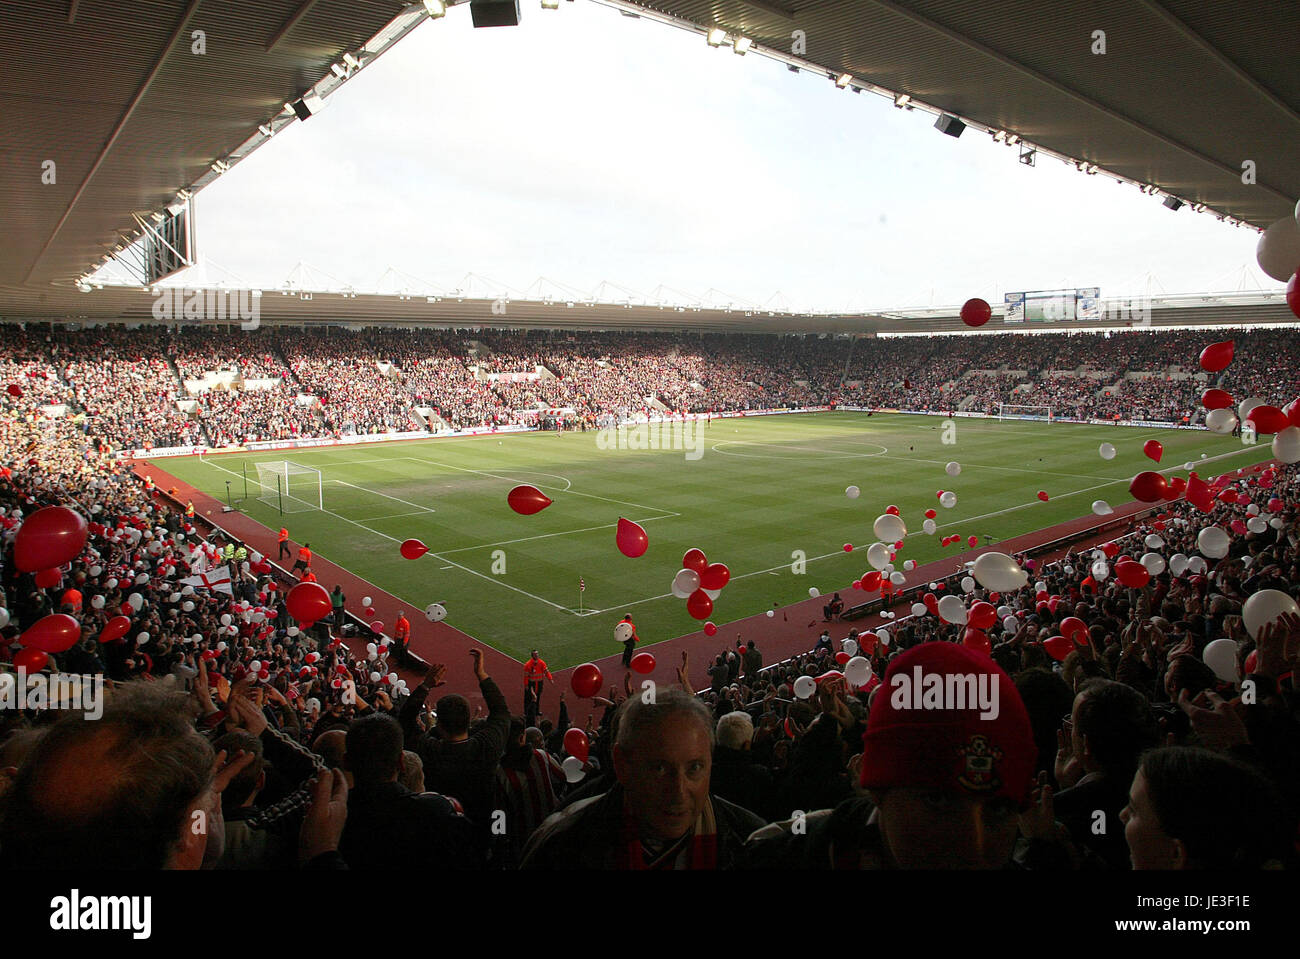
x=736 y=776
x=660 y=814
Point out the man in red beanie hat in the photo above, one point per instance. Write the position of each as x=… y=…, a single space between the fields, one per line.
x=948 y=762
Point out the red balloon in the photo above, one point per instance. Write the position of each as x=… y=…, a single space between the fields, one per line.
x=871 y=581
x=842 y=657
x=643 y=663
x=1148 y=487
x=715 y=576
x=413 y=549
x=976 y=639
x=1216 y=399
x=857 y=584
x=527 y=500
x=1075 y=630
x=696 y=560
x=699 y=605
x=1268 y=419
x=1132 y=575
x=1216 y=356
x=1042 y=494
x=309 y=603
x=994 y=597
x=1110 y=549
x=575 y=743
x=709 y=630
x=369 y=612
x=115 y=628
x=631 y=539
x=1154 y=449
x=982 y=615
x=1177 y=487
x=52 y=634
x=587 y=680
x=892 y=510
x=1228 y=496
x=1238 y=527
x=1058 y=647
x=973 y=541
x=931 y=603
x=976 y=312
x=377 y=626
x=31 y=660
x=49 y=537
x=13 y=389
x=930 y=514
x=48 y=577
x=1293 y=294
x=1199 y=494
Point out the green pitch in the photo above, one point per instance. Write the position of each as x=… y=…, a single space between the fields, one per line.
x=765 y=496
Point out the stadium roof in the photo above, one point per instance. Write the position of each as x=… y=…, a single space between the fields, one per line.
x=131 y=114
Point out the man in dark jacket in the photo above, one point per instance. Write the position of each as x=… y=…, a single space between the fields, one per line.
x=661 y=814
x=736 y=776
x=385 y=819
x=456 y=763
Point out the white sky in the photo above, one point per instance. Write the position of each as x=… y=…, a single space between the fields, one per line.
x=584 y=146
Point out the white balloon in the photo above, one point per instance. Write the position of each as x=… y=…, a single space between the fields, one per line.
x=135 y=601
x=1276 y=522
x=1213 y=542
x=857 y=671
x=96 y=570
x=909 y=565
x=292 y=631
x=929 y=527
x=371 y=648
x=1154 y=562
x=1221 y=656
x=111 y=583
x=999 y=572
x=367 y=601
x=1256 y=525
x=1154 y=541
x=96 y=602
x=952 y=469
x=572 y=767
x=814 y=592
x=226 y=619
x=888 y=614
x=770 y=613
x=198 y=638
x=1197 y=564
x=1248 y=404
x=255 y=666
x=623 y=632
x=1101 y=507
x=1278 y=249
x=141 y=639
x=889 y=527
x=1040 y=587
x=188 y=591
x=187 y=607
x=878 y=555
x=4 y=616
x=374 y=676
x=1100 y=571
x=1264 y=607
x=889 y=568
x=948 y=500
x=142 y=579
x=804 y=687
x=392 y=678
x=953 y=610
x=685 y=582
x=898 y=579
x=1107 y=451
x=852 y=492
x=1252 y=509
x=850 y=646
x=1286 y=445
x=918 y=609
x=1010 y=624
x=1222 y=421
x=1069 y=571
x=435 y=612
x=1178 y=564
x=1004 y=611
x=968 y=584
x=713 y=593
x=883 y=636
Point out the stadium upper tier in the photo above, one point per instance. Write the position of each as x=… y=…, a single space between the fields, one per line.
x=153 y=387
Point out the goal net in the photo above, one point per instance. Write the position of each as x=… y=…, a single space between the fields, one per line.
x=1008 y=411
x=288 y=487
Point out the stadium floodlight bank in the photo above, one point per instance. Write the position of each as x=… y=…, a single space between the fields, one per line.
x=1009 y=411
x=289 y=487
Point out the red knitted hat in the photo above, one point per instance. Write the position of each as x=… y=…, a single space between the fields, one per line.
x=948 y=718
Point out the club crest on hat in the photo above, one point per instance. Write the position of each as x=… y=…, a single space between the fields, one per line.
x=980 y=772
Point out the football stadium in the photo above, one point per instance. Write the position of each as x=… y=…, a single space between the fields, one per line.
x=996 y=568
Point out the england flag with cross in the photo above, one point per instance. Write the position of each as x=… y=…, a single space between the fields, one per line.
x=218 y=579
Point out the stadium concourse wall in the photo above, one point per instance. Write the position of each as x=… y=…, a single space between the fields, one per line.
x=315 y=442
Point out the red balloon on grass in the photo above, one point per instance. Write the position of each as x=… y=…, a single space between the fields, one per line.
x=848 y=547
x=586 y=680
x=413 y=549
x=527 y=500
x=1148 y=487
x=31 y=660
x=972 y=541
x=575 y=743
x=976 y=312
x=115 y=628
x=1042 y=494
x=892 y=510
x=699 y=605
x=715 y=576
x=643 y=663
x=1216 y=356
x=309 y=603
x=49 y=537
x=709 y=630
x=631 y=539
x=52 y=634
x=930 y=514
x=1153 y=449
x=696 y=560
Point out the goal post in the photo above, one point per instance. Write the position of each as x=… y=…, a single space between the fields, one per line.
x=289 y=487
x=1010 y=411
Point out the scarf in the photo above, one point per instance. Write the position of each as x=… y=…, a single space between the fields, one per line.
x=697 y=849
